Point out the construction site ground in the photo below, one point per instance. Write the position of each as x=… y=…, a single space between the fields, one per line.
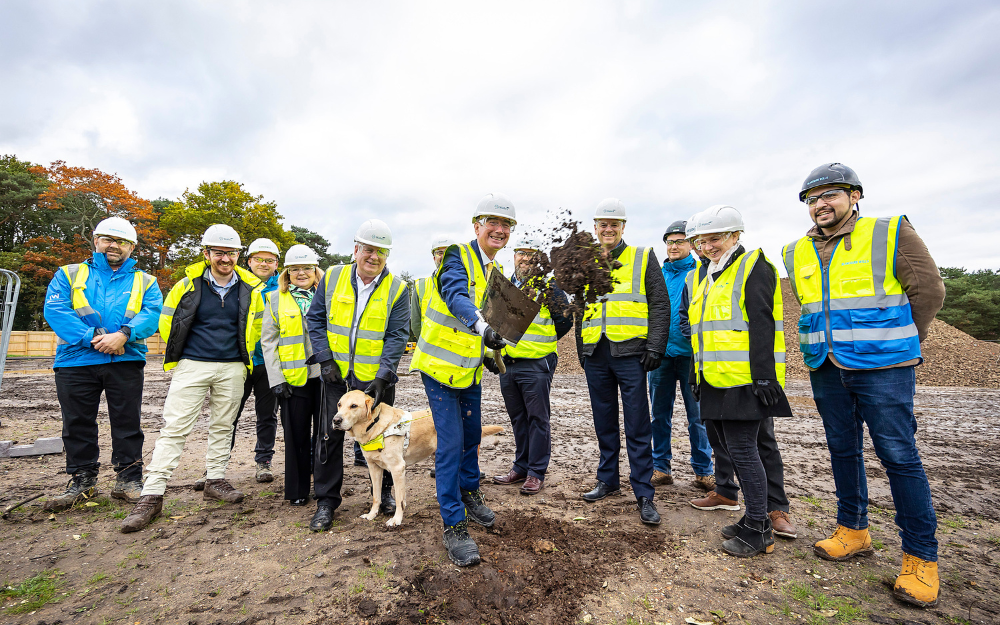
x=551 y=558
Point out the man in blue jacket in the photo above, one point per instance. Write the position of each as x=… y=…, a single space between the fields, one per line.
x=673 y=369
x=102 y=311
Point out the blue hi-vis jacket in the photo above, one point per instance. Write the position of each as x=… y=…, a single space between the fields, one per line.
x=108 y=293
x=270 y=285
x=674 y=273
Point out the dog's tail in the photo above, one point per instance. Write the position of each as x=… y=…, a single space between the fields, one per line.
x=491 y=429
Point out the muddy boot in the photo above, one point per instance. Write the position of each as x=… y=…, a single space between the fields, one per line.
x=148 y=508
x=845 y=544
x=918 y=582
x=388 y=505
x=705 y=482
x=731 y=531
x=81 y=486
x=221 y=490
x=661 y=479
x=462 y=550
x=264 y=473
x=477 y=510
x=127 y=489
x=199 y=484
x=753 y=537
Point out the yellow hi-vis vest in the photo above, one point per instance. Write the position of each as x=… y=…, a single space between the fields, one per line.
x=77 y=275
x=423 y=295
x=622 y=314
x=292 y=339
x=255 y=314
x=447 y=349
x=720 y=329
x=539 y=339
x=370 y=335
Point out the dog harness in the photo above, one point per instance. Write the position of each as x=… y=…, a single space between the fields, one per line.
x=400 y=428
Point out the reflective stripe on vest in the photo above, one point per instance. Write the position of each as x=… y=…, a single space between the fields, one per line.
x=720 y=331
x=539 y=339
x=856 y=307
x=287 y=317
x=369 y=337
x=77 y=275
x=622 y=314
x=447 y=349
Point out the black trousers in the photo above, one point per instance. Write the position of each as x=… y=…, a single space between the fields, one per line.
x=767 y=449
x=328 y=467
x=526 y=387
x=300 y=422
x=79 y=391
x=265 y=406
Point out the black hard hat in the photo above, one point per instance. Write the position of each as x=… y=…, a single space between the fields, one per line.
x=678 y=227
x=831 y=173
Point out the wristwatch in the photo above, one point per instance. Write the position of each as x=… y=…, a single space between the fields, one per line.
x=127 y=331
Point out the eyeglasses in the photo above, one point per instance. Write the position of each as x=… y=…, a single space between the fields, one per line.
x=711 y=239
x=221 y=253
x=306 y=269
x=264 y=261
x=608 y=225
x=497 y=223
x=525 y=253
x=826 y=196
x=368 y=250
x=119 y=242
x=675 y=242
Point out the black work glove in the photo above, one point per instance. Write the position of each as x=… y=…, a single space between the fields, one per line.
x=767 y=391
x=376 y=390
x=650 y=360
x=583 y=361
x=330 y=373
x=696 y=391
x=283 y=390
x=491 y=365
x=492 y=339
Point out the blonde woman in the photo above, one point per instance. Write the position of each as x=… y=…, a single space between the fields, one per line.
x=286 y=347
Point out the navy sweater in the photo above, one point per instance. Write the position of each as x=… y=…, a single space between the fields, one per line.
x=215 y=333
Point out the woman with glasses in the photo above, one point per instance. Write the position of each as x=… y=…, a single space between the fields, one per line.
x=286 y=347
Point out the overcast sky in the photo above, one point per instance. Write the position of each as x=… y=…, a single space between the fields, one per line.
x=410 y=112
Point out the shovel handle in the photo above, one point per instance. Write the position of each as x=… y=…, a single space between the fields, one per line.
x=498 y=358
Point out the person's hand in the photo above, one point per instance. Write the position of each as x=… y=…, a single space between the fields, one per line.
x=330 y=372
x=491 y=365
x=376 y=390
x=696 y=391
x=767 y=391
x=650 y=361
x=492 y=339
x=113 y=343
x=283 y=390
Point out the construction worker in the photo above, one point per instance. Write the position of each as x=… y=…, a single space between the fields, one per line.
x=450 y=356
x=869 y=290
x=527 y=382
x=675 y=367
x=210 y=328
x=102 y=311
x=358 y=329
x=739 y=362
x=286 y=348
x=420 y=294
x=621 y=338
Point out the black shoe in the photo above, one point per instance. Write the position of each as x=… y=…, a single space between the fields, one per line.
x=730 y=531
x=476 y=508
x=388 y=505
x=462 y=550
x=360 y=462
x=754 y=537
x=299 y=502
x=647 y=511
x=601 y=491
x=323 y=519
x=81 y=487
x=433 y=472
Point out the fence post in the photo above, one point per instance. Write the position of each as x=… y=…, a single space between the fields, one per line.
x=10 y=287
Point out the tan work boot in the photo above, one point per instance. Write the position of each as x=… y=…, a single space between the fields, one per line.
x=127 y=490
x=199 y=484
x=81 y=487
x=782 y=524
x=845 y=544
x=705 y=482
x=661 y=479
x=918 y=582
x=148 y=508
x=264 y=473
x=222 y=490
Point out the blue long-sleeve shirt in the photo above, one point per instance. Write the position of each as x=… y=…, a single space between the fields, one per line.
x=108 y=292
x=454 y=285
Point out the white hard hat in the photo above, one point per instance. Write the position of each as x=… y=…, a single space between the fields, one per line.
x=221 y=235
x=301 y=255
x=691 y=223
x=376 y=233
x=263 y=245
x=441 y=241
x=610 y=208
x=527 y=242
x=495 y=205
x=118 y=228
x=718 y=218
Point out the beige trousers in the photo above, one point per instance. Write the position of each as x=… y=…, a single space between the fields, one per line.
x=223 y=381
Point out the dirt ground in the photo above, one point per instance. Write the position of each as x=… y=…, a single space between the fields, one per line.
x=256 y=562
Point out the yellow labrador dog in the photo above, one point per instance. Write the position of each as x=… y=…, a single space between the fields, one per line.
x=379 y=429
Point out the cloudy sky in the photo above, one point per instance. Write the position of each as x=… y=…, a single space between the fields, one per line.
x=410 y=112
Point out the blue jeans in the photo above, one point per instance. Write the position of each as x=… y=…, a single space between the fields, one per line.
x=662 y=384
x=458 y=420
x=882 y=399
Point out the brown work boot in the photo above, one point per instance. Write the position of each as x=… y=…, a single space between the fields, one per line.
x=918 y=582
x=199 y=484
x=148 y=508
x=845 y=544
x=80 y=487
x=222 y=490
x=705 y=482
x=782 y=524
x=715 y=501
x=264 y=473
x=127 y=490
x=512 y=477
x=531 y=486
x=661 y=479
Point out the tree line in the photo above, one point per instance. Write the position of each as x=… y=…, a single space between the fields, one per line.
x=972 y=301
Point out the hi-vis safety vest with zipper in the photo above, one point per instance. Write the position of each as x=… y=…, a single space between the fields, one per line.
x=720 y=328
x=77 y=275
x=622 y=314
x=370 y=335
x=423 y=287
x=447 y=349
x=539 y=339
x=291 y=336
x=855 y=307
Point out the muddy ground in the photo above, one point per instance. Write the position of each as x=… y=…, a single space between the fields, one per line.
x=256 y=562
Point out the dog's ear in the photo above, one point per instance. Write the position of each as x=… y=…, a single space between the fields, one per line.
x=369 y=404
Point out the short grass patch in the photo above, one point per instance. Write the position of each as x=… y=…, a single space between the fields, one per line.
x=32 y=593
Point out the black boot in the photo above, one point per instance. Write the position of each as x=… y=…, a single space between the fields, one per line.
x=730 y=531
x=476 y=508
x=462 y=550
x=388 y=505
x=323 y=519
x=752 y=538
x=81 y=487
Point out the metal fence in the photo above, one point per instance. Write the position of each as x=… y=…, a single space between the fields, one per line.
x=10 y=287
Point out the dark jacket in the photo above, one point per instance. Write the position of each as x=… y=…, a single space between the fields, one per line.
x=739 y=403
x=658 y=303
x=675 y=275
